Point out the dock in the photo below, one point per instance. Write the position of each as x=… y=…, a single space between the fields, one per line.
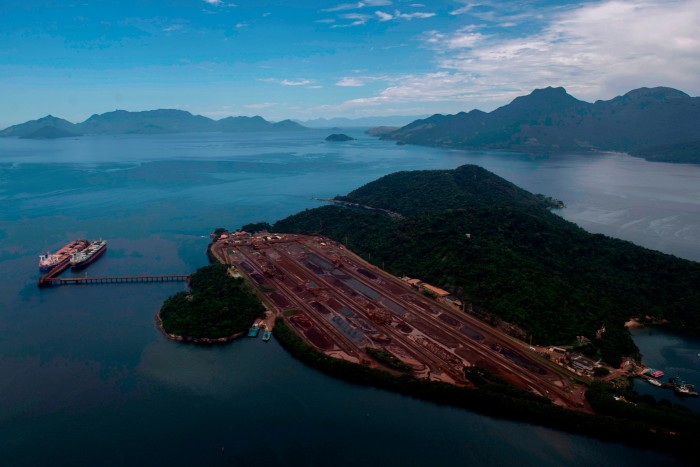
x=51 y=279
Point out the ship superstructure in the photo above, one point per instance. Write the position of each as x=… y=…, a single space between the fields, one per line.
x=50 y=261
x=85 y=257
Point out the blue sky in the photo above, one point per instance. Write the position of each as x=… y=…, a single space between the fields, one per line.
x=308 y=59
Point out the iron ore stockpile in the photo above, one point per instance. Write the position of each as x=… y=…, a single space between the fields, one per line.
x=342 y=305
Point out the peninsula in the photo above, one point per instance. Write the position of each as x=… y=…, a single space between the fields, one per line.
x=459 y=287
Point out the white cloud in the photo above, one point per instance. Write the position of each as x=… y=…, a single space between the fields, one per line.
x=358 y=19
x=595 y=50
x=261 y=105
x=358 y=5
x=410 y=16
x=299 y=82
x=174 y=27
x=384 y=16
x=350 y=82
x=287 y=82
x=219 y=3
x=601 y=48
x=464 y=39
x=465 y=9
x=344 y=7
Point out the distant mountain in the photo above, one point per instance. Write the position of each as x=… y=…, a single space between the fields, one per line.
x=288 y=125
x=49 y=132
x=145 y=122
x=32 y=126
x=150 y=121
x=395 y=120
x=551 y=120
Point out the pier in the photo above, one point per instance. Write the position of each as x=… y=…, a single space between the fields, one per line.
x=51 y=279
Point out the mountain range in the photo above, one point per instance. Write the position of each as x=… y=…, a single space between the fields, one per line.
x=145 y=122
x=658 y=123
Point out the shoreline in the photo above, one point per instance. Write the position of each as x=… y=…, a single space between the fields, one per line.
x=195 y=340
x=605 y=427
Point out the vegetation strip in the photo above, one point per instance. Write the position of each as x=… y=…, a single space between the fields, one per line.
x=515 y=405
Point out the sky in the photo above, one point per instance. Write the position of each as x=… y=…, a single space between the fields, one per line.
x=306 y=59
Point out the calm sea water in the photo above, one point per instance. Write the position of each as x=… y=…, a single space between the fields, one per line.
x=85 y=378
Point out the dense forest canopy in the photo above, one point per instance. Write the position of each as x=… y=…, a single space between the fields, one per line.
x=218 y=306
x=501 y=249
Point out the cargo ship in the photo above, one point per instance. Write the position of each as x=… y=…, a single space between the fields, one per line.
x=82 y=259
x=61 y=258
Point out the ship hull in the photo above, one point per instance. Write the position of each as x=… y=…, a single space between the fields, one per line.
x=54 y=266
x=78 y=265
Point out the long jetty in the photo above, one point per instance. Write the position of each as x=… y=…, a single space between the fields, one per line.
x=50 y=280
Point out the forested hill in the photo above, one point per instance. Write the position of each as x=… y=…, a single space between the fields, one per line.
x=499 y=247
x=656 y=123
x=161 y=121
x=415 y=192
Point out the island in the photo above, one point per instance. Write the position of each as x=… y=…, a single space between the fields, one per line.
x=218 y=308
x=336 y=137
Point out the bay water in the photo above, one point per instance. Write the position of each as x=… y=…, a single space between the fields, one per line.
x=86 y=379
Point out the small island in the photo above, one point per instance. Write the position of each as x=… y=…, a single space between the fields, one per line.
x=335 y=137
x=217 y=309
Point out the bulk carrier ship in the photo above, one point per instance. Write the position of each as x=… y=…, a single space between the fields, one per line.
x=85 y=257
x=50 y=261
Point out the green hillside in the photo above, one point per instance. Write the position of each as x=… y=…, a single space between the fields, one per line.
x=646 y=122
x=501 y=249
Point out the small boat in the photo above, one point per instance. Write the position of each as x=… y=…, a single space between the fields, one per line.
x=253 y=332
x=654 y=382
x=267 y=335
x=686 y=390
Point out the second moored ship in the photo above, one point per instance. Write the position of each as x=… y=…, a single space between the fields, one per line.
x=84 y=258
